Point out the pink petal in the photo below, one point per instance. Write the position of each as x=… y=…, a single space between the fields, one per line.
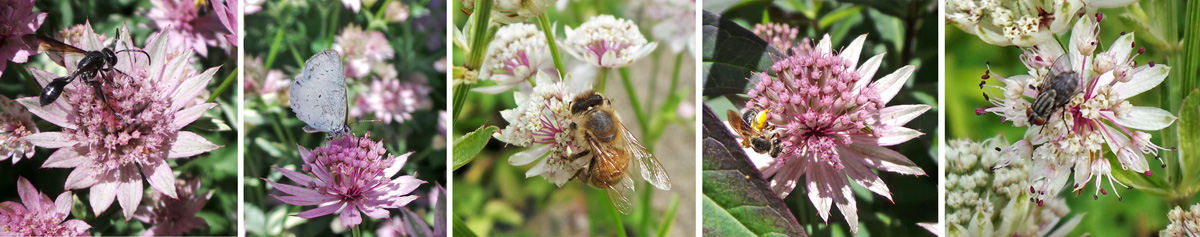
x=189 y=115
x=29 y=194
x=850 y=53
x=65 y=158
x=846 y=203
x=888 y=136
x=51 y=140
x=188 y=144
x=305 y=200
x=786 y=179
x=862 y=175
x=351 y=217
x=321 y=211
x=889 y=85
x=82 y=177
x=820 y=193
x=191 y=87
x=102 y=195
x=866 y=71
x=296 y=177
x=402 y=201
x=62 y=206
x=1142 y=81
x=397 y=163
x=129 y=190
x=885 y=159
x=159 y=174
x=77 y=225
x=405 y=184
x=373 y=212
x=899 y=115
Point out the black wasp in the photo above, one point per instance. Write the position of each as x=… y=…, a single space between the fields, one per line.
x=93 y=63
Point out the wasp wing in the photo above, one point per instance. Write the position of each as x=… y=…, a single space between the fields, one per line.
x=652 y=171
x=48 y=44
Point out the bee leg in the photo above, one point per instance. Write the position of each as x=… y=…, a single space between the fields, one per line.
x=581 y=154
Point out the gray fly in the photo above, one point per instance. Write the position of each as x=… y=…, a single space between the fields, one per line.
x=1056 y=90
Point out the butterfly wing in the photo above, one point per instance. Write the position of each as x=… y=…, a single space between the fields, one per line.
x=318 y=95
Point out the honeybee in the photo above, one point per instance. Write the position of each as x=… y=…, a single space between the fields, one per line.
x=1056 y=90
x=751 y=129
x=611 y=147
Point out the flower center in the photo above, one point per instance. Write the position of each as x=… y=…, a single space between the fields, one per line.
x=129 y=125
x=355 y=164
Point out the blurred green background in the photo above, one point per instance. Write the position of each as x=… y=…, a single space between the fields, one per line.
x=1141 y=213
x=217 y=169
x=907 y=32
x=492 y=197
x=280 y=37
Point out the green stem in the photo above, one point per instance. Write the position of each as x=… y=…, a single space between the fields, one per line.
x=460 y=96
x=653 y=93
x=548 y=30
x=337 y=14
x=532 y=83
x=224 y=84
x=480 y=37
x=616 y=215
x=379 y=14
x=665 y=228
x=602 y=79
x=633 y=99
x=274 y=48
x=357 y=231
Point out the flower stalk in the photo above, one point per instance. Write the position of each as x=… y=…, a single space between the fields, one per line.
x=544 y=23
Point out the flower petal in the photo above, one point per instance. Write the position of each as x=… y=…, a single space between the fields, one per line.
x=788 y=177
x=885 y=159
x=51 y=140
x=373 y=212
x=528 y=155
x=850 y=53
x=867 y=70
x=81 y=178
x=55 y=113
x=65 y=158
x=1146 y=78
x=29 y=194
x=129 y=190
x=1145 y=118
x=887 y=136
x=160 y=176
x=350 y=217
x=102 y=195
x=296 y=177
x=189 y=144
x=901 y=114
x=820 y=192
x=862 y=175
x=321 y=211
x=62 y=206
x=189 y=115
x=397 y=163
x=889 y=85
x=190 y=88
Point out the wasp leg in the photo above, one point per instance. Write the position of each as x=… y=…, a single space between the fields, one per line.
x=104 y=99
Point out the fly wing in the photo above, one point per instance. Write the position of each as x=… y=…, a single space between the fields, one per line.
x=318 y=95
x=652 y=171
x=1061 y=65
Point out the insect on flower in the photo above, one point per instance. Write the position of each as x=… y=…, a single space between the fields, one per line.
x=1055 y=91
x=318 y=95
x=755 y=131
x=93 y=63
x=611 y=147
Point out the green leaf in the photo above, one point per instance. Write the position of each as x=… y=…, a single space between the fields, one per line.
x=1189 y=141
x=731 y=54
x=737 y=201
x=468 y=145
x=461 y=229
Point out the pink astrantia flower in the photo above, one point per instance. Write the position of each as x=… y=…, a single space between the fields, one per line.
x=39 y=216
x=253 y=6
x=17 y=23
x=15 y=123
x=112 y=152
x=349 y=175
x=1072 y=139
x=832 y=122
x=227 y=12
x=393 y=100
x=541 y=122
x=174 y=217
x=362 y=50
x=266 y=84
x=608 y=42
x=780 y=35
x=185 y=25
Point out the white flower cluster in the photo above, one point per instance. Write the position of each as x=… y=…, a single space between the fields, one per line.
x=514 y=11
x=1021 y=22
x=514 y=55
x=1183 y=223
x=983 y=200
x=608 y=42
x=542 y=121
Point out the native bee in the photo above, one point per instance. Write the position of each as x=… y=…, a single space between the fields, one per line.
x=611 y=147
x=751 y=126
x=1055 y=91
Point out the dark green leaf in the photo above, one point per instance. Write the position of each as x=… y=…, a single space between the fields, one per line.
x=468 y=145
x=731 y=54
x=461 y=229
x=737 y=201
x=1189 y=141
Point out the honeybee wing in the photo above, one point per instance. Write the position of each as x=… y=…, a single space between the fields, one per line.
x=652 y=171
x=740 y=126
x=618 y=194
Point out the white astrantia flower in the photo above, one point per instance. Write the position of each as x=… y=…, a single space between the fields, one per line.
x=1183 y=223
x=514 y=11
x=608 y=42
x=1022 y=23
x=981 y=201
x=675 y=21
x=541 y=122
x=1073 y=139
x=514 y=55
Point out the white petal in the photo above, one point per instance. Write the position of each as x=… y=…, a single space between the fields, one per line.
x=867 y=70
x=901 y=114
x=528 y=155
x=824 y=46
x=1122 y=46
x=889 y=85
x=850 y=53
x=1146 y=118
x=1148 y=77
x=885 y=159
